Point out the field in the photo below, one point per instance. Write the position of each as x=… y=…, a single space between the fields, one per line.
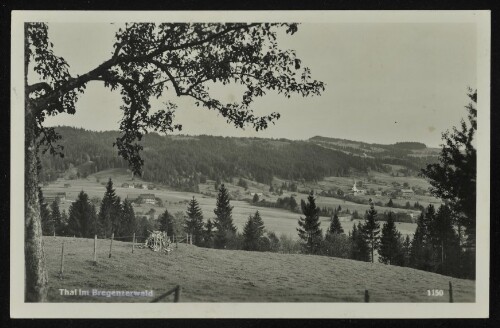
x=277 y=220
x=209 y=275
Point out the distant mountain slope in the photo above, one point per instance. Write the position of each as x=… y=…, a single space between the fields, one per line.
x=413 y=155
x=183 y=160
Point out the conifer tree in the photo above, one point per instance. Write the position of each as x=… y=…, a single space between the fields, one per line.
x=118 y=217
x=390 y=246
x=129 y=223
x=194 y=221
x=293 y=204
x=208 y=234
x=94 y=224
x=421 y=252
x=223 y=220
x=81 y=216
x=253 y=232
x=309 y=230
x=335 y=226
x=445 y=242
x=390 y=203
x=371 y=230
x=64 y=224
x=109 y=213
x=56 y=217
x=255 y=198
x=406 y=248
x=453 y=177
x=166 y=223
x=47 y=221
x=360 y=251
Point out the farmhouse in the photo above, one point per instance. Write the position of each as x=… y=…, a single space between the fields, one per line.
x=125 y=185
x=147 y=199
x=407 y=193
x=52 y=196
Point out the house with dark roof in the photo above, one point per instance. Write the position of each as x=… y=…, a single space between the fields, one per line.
x=147 y=198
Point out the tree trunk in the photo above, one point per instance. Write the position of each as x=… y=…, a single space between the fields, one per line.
x=35 y=275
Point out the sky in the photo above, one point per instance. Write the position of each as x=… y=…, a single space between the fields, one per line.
x=385 y=82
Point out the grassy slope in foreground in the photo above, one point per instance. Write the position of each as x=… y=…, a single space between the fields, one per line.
x=209 y=275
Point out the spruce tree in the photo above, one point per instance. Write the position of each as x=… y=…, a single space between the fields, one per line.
x=309 y=230
x=56 y=217
x=208 y=234
x=390 y=246
x=81 y=215
x=390 y=203
x=255 y=198
x=360 y=251
x=64 y=224
x=117 y=217
x=406 y=248
x=453 y=177
x=371 y=230
x=166 y=223
x=293 y=204
x=445 y=242
x=95 y=228
x=109 y=212
x=421 y=253
x=129 y=224
x=253 y=232
x=194 y=221
x=335 y=226
x=223 y=220
x=47 y=220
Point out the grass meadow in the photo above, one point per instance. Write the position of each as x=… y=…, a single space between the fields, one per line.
x=210 y=275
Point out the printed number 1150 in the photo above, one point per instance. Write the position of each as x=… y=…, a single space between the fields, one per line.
x=435 y=292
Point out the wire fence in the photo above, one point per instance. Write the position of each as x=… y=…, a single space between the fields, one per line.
x=176 y=291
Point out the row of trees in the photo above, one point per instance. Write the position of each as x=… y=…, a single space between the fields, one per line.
x=83 y=220
x=436 y=245
x=118 y=218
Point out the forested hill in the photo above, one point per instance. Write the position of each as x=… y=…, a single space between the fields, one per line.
x=412 y=155
x=173 y=159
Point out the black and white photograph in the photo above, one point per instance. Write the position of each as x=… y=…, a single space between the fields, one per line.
x=243 y=164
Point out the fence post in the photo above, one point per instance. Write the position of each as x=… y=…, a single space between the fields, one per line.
x=95 y=249
x=451 y=292
x=177 y=294
x=111 y=244
x=133 y=242
x=367 y=296
x=61 y=272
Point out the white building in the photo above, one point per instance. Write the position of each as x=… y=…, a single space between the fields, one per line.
x=357 y=191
